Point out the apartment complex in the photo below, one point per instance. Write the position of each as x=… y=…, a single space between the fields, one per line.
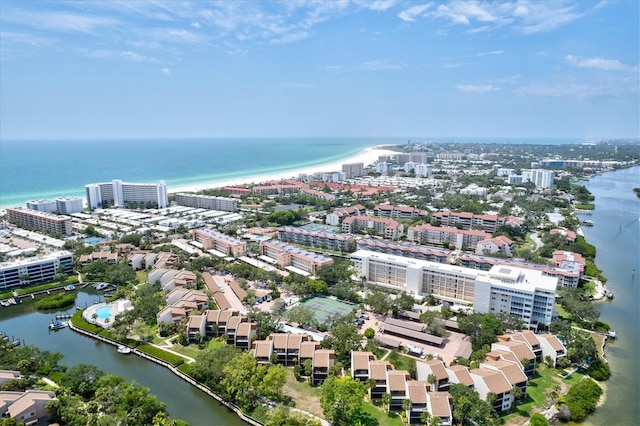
x=214 y=240
x=460 y=238
x=224 y=204
x=353 y=170
x=388 y=228
x=40 y=221
x=397 y=212
x=338 y=215
x=568 y=272
x=293 y=258
x=465 y=220
x=317 y=239
x=526 y=293
x=405 y=249
x=121 y=194
x=35 y=269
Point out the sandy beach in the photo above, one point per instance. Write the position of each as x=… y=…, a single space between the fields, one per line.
x=367 y=156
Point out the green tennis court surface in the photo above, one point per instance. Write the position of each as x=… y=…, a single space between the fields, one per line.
x=325 y=308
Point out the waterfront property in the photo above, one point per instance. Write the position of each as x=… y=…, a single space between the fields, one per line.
x=207 y=202
x=33 y=270
x=223 y=244
x=120 y=194
x=27 y=407
x=459 y=238
x=406 y=249
x=103 y=314
x=486 y=222
x=526 y=293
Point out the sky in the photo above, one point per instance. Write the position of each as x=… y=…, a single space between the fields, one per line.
x=319 y=68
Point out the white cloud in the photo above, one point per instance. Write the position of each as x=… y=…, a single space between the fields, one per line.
x=477 y=88
x=380 y=65
x=63 y=21
x=493 y=52
x=166 y=71
x=289 y=37
x=196 y=25
x=410 y=14
x=599 y=63
x=376 y=4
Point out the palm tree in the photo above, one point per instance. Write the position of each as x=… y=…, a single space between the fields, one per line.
x=407 y=405
x=432 y=379
x=386 y=400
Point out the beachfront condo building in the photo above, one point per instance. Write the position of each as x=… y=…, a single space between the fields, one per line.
x=523 y=292
x=353 y=170
x=224 y=204
x=122 y=194
x=59 y=205
x=33 y=270
x=221 y=243
x=40 y=221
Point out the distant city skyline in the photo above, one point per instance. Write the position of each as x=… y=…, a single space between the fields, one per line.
x=149 y=69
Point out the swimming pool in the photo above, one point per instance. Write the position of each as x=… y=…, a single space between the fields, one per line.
x=104 y=312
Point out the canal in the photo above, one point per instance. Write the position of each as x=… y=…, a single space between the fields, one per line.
x=183 y=401
x=616 y=235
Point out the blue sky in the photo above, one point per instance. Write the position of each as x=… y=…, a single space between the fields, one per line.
x=109 y=69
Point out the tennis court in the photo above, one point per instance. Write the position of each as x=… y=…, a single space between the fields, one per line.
x=325 y=308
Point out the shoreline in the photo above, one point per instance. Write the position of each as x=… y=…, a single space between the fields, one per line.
x=367 y=156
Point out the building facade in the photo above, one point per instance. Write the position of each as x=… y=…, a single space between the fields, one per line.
x=40 y=221
x=222 y=243
x=35 y=269
x=121 y=194
x=316 y=239
x=225 y=204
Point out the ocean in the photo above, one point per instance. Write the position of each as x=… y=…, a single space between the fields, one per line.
x=48 y=169
x=40 y=169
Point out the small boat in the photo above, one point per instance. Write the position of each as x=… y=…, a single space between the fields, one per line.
x=124 y=349
x=101 y=286
x=611 y=334
x=587 y=222
x=57 y=325
x=70 y=287
x=5 y=302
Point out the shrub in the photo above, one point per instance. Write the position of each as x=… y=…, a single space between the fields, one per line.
x=56 y=301
x=582 y=399
x=599 y=370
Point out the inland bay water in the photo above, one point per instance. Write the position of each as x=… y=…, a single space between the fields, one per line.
x=616 y=235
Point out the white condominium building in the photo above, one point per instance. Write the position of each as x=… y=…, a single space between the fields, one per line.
x=525 y=293
x=68 y=205
x=207 y=202
x=352 y=170
x=41 y=221
x=47 y=206
x=118 y=194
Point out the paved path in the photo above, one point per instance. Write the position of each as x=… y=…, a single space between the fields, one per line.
x=167 y=347
x=536 y=240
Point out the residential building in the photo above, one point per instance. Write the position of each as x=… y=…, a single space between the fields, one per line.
x=423 y=169
x=497 y=245
x=552 y=347
x=465 y=220
x=323 y=360
x=40 y=221
x=542 y=178
x=568 y=273
x=397 y=212
x=388 y=228
x=406 y=249
x=207 y=202
x=513 y=350
x=316 y=239
x=318 y=194
x=31 y=270
x=353 y=170
x=447 y=282
x=121 y=194
x=293 y=258
x=528 y=294
x=487 y=381
x=214 y=240
x=434 y=367
x=460 y=238
x=47 y=206
x=474 y=189
x=68 y=205
x=384 y=168
x=28 y=408
x=338 y=215
x=8 y=375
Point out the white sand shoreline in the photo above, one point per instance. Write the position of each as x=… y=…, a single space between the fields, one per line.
x=367 y=156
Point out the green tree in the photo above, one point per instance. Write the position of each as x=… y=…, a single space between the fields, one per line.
x=385 y=400
x=341 y=399
x=469 y=407
x=82 y=379
x=538 y=419
x=344 y=338
x=210 y=365
x=301 y=314
x=273 y=382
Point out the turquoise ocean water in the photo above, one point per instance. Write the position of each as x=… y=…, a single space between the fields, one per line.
x=48 y=169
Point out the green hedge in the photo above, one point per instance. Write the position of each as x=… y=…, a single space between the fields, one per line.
x=172 y=359
x=79 y=322
x=185 y=368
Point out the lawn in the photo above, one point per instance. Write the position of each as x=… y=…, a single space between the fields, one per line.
x=302 y=394
x=401 y=362
x=193 y=350
x=374 y=410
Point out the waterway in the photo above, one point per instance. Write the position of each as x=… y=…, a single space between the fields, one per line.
x=183 y=401
x=616 y=235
